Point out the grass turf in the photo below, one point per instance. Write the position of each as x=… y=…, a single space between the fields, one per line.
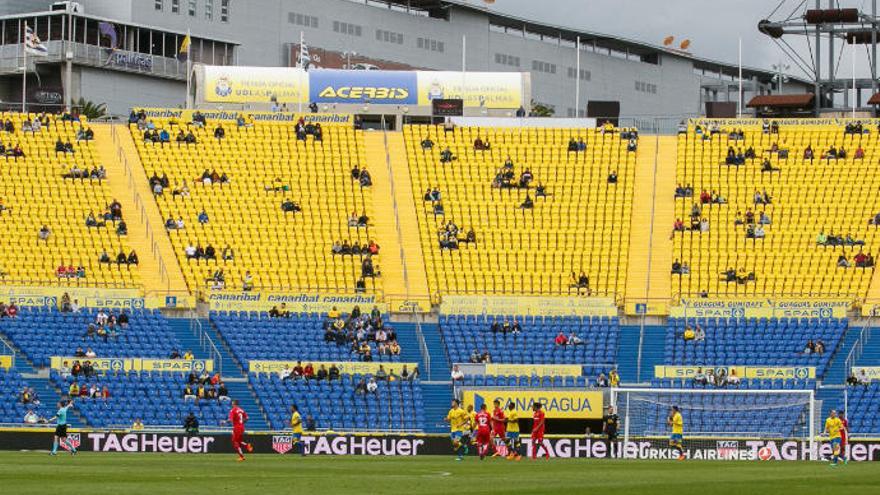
x=95 y=473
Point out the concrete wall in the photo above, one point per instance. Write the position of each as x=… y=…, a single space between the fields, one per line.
x=122 y=91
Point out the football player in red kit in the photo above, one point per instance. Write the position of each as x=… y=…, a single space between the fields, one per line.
x=499 y=430
x=844 y=434
x=238 y=418
x=538 y=431
x=484 y=431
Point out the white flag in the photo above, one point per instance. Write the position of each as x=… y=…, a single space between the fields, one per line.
x=32 y=43
x=305 y=60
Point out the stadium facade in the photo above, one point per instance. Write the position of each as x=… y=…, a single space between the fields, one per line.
x=646 y=79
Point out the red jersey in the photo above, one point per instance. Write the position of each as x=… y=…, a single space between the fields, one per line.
x=498 y=421
x=538 y=423
x=844 y=430
x=237 y=417
x=483 y=421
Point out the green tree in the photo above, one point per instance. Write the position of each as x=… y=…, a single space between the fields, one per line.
x=541 y=110
x=91 y=109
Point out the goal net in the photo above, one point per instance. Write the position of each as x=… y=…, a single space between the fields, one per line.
x=721 y=423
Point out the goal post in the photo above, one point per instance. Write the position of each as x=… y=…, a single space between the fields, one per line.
x=732 y=423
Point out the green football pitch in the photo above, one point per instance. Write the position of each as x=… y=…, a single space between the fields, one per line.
x=270 y=474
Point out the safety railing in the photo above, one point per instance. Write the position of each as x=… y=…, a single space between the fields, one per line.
x=423 y=348
x=859 y=347
x=140 y=205
x=206 y=343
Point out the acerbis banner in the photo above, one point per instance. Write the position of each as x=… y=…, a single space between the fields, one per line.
x=360 y=86
x=411 y=445
x=239 y=84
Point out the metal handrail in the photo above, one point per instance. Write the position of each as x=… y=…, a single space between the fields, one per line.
x=859 y=347
x=423 y=347
x=206 y=343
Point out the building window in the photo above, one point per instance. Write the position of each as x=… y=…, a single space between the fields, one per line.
x=209 y=10
x=429 y=44
x=160 y=4
x=224 y=11
x=302 y=20
x=504 y=59
x=191 y=10
x=389 y=36
x=175 y=6
x=347 y=28
x=644 y=87
x=585 y=75
x=545 y=67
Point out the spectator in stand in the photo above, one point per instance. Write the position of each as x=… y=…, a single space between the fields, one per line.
x=372 y=386
x=602 y=381
x=191 y=424
x=699 y=333
x=560 y=339
x=457 y=375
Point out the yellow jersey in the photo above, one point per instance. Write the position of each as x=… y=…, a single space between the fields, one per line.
x=833 y=427
x=677 y=424
x=512 y=421
x=459 y=419
x=296 y=423
x=472 y=420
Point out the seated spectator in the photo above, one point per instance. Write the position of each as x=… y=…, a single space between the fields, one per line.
x=689 y=334
x=446 y=156
x=372 y=386
x=699 y=333
x=809 y=348
x=527 y=203
x=700 y=377
x=121 y=228
x=133 y=258
x=427 y=144
x=676 y=267
x=602 y=381
x=859 y=153
x=612 y=177
x=44 y=233
x=842 y=261
x=573 y=339
x=219 y=132
x=191 y=424
x=203 y=217
x=560 y=340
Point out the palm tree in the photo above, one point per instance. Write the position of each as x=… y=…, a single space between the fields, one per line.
x=91 y=109
x=541 y=110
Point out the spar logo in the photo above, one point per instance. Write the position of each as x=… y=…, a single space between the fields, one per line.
x=73 y=440
x=282 y=443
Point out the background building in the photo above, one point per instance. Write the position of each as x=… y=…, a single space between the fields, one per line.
x=647 y=80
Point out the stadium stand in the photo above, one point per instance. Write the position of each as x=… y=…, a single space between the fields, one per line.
x=41 y=333
x=535 y=344
x=750 y=341
x=808 y=198
x=56 y=183
x=336 y=404
x=12 y=409
x=156 y=398
x=863 y=404
x=581 y=225
x=256 y=168
x=301 y=336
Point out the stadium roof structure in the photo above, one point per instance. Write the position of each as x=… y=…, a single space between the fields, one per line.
x=601 y=40
x=782 y=101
